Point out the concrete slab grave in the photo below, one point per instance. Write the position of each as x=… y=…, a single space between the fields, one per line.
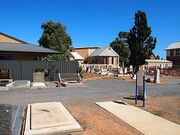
x=39 y=85
x=19 y=84
x=50 y=118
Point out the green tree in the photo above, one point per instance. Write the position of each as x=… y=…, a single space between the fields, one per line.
x=121 y=47
x=55 y=37
x=140 y=41
x=57 y=57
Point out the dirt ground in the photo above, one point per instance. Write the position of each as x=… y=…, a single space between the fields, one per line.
x=93 y=76
x=96 y=121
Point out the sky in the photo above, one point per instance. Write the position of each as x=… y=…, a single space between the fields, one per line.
x=91 y=22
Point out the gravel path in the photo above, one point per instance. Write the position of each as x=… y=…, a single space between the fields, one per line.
x=79 y=100
x=90 y=92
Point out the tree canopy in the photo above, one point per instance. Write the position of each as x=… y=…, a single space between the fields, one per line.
x=140 y=41
x=55 y=37
x=121 y=47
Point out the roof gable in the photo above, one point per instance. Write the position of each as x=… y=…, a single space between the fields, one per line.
x=77 y=56
x=175 y=45
x=106 y=51
x=9 y=39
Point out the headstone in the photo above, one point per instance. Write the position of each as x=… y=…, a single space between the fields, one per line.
x=121 y=70
x=38 y=77
x=143 y=68
x=157 y=76
x=131 y=68
x=134 y=77
x=140 y=82
x=125 y=70
x=88 y=70
x=5 y=74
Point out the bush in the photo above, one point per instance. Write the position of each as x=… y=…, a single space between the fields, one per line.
x=80 y=71
x=39 y=70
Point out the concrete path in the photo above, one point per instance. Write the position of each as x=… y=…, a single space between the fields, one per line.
x=49 y=118
x=143 y=121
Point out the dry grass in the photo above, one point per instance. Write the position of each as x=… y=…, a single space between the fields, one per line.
x=167 y=107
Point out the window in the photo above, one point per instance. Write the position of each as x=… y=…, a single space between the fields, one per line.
x=112 y=60
x=171 y=52
x=177 y=51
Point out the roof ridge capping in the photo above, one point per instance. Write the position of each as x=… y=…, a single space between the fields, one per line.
x=85 y=47
x=9 y=47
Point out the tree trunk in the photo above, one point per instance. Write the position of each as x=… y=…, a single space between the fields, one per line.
x=123 y=64
x=136 y=69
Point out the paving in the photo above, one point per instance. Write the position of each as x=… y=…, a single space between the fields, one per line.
x=90 y=92
x=143 y=121
x=49 y=118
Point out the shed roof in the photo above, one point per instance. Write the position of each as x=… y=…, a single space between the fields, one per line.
x=175 y=45
x=106 y=51
x=11 y=47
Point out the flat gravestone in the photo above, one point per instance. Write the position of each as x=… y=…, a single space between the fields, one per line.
x=49 y=118
x=51 y=113
x=11 y=119
x=19 y=84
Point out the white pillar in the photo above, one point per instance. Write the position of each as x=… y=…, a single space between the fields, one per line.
x=157 y=76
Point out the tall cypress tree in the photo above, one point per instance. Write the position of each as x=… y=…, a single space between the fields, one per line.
x=140 y=41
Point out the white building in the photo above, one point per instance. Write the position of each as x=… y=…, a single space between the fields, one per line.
x=158 y=63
